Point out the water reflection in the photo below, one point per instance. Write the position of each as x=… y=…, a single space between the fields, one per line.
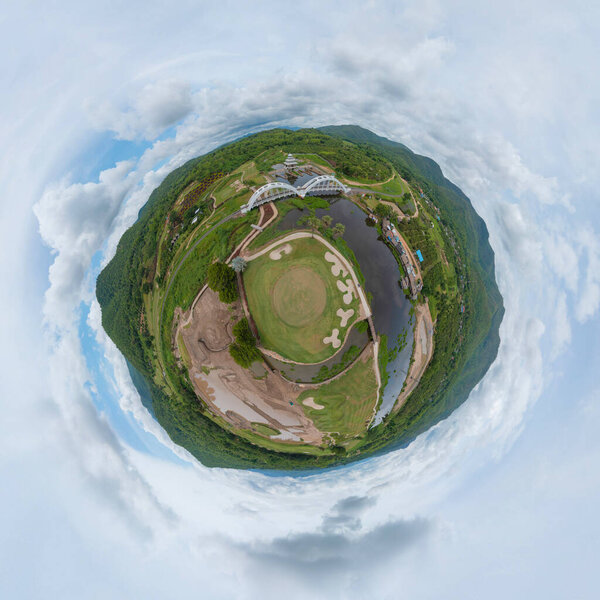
x=390 y=307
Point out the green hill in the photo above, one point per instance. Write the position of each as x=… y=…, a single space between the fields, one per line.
x=131 y=277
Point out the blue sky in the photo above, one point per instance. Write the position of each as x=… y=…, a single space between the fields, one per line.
x=100 y=103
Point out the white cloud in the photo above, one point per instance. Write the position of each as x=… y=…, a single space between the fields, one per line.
x=420 y=74
x=589 y=296
x=155 y=107
x=74 y=221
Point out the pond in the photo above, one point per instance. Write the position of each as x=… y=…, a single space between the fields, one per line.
x=391 y=309
x=306 y=373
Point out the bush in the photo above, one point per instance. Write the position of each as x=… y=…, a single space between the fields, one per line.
x=244 y=350
x=222 y=279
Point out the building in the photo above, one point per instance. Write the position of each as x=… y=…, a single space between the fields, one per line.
x=290 y=163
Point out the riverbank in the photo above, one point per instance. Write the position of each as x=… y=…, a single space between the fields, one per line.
x=422 y=353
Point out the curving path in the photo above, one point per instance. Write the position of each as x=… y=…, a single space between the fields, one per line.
x=183 y=259
x=361 y=294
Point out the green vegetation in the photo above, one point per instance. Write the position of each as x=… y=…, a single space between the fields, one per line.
x=265 y=429
x=348 y=357
x=349 y=402
x=294 y=299
x=244 y=350
x=465 y=343
x=221 y=278
x=362 y=326
x=383 y=358
x=162 y=261
x=314 y=202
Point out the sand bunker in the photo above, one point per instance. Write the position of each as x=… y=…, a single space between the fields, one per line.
x=336 y=267
x=310 y=402
x=333 y=339
x=344 y=315
x=279 y=252
x=347 y=289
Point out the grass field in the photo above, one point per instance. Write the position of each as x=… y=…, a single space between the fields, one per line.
x=395 y=186
x=294 y=300
x=314 y=158
x=265 y=429
x=348 y=401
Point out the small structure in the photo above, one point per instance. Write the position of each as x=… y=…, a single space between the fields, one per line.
x=419 y=256
x=290 y=163
x=373 y=217
x=392 y=237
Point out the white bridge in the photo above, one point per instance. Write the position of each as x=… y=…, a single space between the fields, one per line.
x=323 y=185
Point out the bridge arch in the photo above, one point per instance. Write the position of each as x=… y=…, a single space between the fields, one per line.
x=268 y=192
x=324 y=184
x=276 y=190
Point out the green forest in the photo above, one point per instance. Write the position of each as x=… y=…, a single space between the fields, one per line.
x=463 y=351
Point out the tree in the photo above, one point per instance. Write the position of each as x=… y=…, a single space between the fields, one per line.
x=339 y=230
x=239 y=264
x=313 y=222
x=222 y=279
x=326 y=220
x=244 y=351
x=383 y=211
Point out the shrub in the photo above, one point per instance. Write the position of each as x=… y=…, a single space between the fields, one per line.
x=222 y=279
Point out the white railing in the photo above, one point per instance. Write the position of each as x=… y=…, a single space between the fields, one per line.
x=276 y=190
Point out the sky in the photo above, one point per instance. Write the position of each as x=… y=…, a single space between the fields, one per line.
x=100 y=101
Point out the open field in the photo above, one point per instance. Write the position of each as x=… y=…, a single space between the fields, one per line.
x=295 y=295
x=316 y=159
x=346 y=403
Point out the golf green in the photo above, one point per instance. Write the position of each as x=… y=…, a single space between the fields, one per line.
x=293 y=297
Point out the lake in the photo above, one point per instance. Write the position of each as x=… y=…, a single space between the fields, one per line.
x=380 y=269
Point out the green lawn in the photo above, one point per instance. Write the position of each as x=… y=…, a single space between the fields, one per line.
x=225 y=190
x=314 y=158
x=395 y=186
x=294 y=301
x=264 y=429
x=349 y=401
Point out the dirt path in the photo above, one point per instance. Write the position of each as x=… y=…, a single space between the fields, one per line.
x=395 y=208
x=422 y=353
x=350 y=182
x=235 y=393
x=268 y=213
x=270 y=216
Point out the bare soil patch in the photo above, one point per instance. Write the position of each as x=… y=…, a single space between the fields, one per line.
x=422 y=352
x=231 y=391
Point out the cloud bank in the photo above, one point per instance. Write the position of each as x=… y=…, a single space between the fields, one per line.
x=481 y=91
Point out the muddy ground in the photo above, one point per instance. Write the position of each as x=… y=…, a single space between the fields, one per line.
x=239 y=395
